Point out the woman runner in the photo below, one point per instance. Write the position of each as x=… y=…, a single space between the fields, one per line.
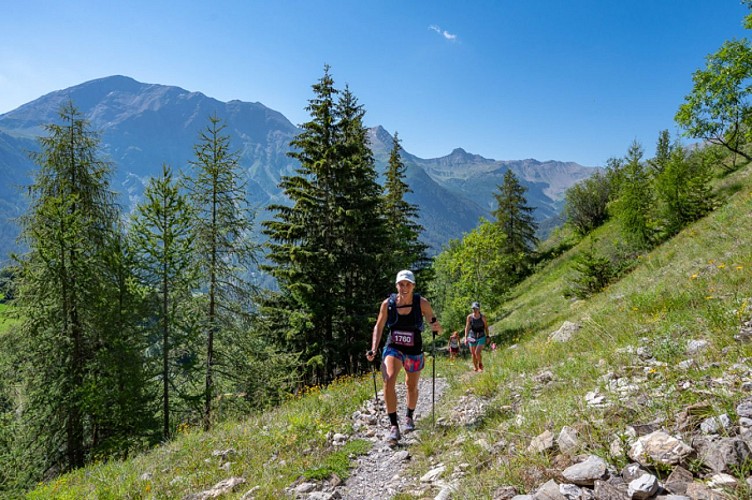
x=476 y=333
x=403 y=313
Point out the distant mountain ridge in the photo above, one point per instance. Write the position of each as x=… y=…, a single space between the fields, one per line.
x=145 y=125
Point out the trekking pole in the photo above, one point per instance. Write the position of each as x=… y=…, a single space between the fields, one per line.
x=433 y=382
x=375 y=391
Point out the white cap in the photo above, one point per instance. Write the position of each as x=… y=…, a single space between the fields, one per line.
x=405 y=275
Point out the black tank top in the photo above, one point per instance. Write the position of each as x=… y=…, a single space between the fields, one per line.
x=477 y=326
x=405 y=331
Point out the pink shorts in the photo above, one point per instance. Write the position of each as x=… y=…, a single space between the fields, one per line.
x=411 y=362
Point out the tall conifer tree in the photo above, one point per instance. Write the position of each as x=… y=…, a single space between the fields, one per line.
x=634 y=207
x=123 y=418
x=516 y=221
x=326 y=246
x=403 y=229
x=301 y=237
x=361 y=234
x=71 y=219
x=161 y=234
x=223 y=248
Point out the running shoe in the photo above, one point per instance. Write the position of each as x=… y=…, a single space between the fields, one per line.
x=409 y=425
x=394 y=434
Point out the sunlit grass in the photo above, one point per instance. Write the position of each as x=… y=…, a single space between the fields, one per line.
x=271 y=450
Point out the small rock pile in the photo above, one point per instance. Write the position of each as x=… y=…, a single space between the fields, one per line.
x=701 y=452
x=716 y=447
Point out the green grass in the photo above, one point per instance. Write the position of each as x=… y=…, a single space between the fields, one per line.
x=696 y=286
x=338 y=462
x=271 y=451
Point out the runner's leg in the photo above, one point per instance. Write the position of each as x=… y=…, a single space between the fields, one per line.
x=391 y=368
x=411 y=381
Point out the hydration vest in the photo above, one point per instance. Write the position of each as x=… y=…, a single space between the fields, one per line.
x=405 y=329
x=416 y=314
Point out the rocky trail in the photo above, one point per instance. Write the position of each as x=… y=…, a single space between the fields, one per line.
x=381 y=473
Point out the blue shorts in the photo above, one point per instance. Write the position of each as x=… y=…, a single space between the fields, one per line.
x=477 y=342
x=411 y=362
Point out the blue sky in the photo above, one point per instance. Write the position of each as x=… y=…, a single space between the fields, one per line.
x=568 y=80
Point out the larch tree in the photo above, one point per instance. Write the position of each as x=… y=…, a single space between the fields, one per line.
x=634 y=206
x=223 y=248
x=161 y=235
x=663 y=150
x=682 y=190
x=62 y=289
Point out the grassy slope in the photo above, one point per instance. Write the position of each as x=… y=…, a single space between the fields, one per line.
x=698 y=285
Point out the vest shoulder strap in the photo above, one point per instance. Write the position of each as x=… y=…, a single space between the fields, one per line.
x=393 y=315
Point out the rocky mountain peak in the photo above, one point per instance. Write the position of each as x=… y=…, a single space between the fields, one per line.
x=143 y=125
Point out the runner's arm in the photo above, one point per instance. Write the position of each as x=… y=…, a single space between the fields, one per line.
x=427 y=310
x=377 y=329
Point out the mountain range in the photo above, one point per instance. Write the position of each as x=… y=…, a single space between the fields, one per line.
x=143 y=126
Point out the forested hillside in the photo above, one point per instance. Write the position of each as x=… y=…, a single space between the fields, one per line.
x=139 y=357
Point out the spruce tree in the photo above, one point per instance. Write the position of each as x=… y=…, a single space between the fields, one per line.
x=326 y=247
x=403 y=229
x=517 y=224
x=223 y=247
x=361 y=231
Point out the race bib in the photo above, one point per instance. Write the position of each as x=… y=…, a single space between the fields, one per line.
x=406 y=339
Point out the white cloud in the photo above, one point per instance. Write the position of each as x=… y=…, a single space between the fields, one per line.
x=449 y=36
